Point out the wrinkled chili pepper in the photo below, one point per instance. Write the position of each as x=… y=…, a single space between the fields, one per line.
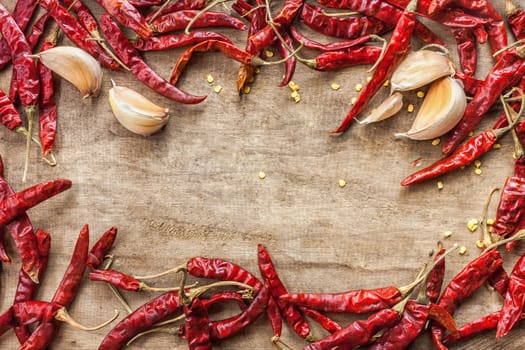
x=143 y=318
x=333 y=46
x=118 y=279
x=290 y=63
x=397 y=48
x=178 y=5
x=196 y=328
x=504 y=74
x=384 y=12
x=34 y=311
x=145 y=3
x=357 y=333
x=514 y=302
x=178 y=20
x=220 y=297
x=131 y=58
x=471 y=85
x=101 y=248
x=469 y=330
x=171 y=41
x=6 y=320
x=127 y=15
x=4 y=257
x=515 y=17
x=466 y=47
x=290 y=312
x=332 y=60
x=466 y=153
x=499 y=280
x=13 y=205
x=346 y=28
x=37 y=29
x=9 y=116
x=323 y=320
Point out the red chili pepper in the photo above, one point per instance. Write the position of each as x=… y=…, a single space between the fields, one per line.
x=357 y=333
x=291 y=62
x=514 y=302
x=33 y=311
x=18 y=203
x=171 y=41
x=145 y=3
x=37 y=29
x=333 y=46
x=143 y=318
x=515 y=19
x=226 y=328
x=117 y=279
x=131 y=58
x=229 y=50
x=6 y=320
x=178 y=20
x=101 y=248
x=323 y=320
x=9 y=116
x=504 y=74
x=339 y=59
x=177 y=6
x=357 y=301
x=396 y=50
x=127 y=15
x=274 y=316
x=466 y=153
x=469 y=330
x=511 y=210
x=471 y=85
x=290 y=312
x=467 y=51
x=41 y=336
x=345 y=28
x=4 y=257
x=196 y=328
x=384 y=12
x=436 y=276
x=221 y=297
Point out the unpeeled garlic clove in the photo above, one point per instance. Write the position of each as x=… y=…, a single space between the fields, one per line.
x=76 y=66
x=135 y=112
x=441 y=110
x=386 y=109
x=420 y=68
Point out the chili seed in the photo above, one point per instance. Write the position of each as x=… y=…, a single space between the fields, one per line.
x=386 y=83
x=268 y=53
x=368 y=79
x=358 y=87
x=477 y=163
x=472 y=225
x=490 y=221
x=335 y=86
x=420 y=94
x=342 y=183
x=257 y=70
x=262 y=175
x=440 y=185
x=496 y=146
x=410 y=108
x=462 y=250
x=480 y=244
x=436 y=141
x=246 y=90
x=447 y=234
x=209 y=78
x=297 y=98
x=217 y=89
x=477 y=171
x=353 y=100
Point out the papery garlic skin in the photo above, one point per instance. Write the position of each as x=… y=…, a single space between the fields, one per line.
x=420 y=68
x=386 y=109
x=76 y=66
x=442 y=108
x=135 y=112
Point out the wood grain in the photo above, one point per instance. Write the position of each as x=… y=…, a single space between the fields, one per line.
x=193 y=189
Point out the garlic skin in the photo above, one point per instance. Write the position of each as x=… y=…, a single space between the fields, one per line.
x=76 y=66
x=442 y=108
x=386 y=109
x=420 y=68
x=135 y=112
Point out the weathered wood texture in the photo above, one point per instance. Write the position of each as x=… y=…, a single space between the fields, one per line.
x=193 y=189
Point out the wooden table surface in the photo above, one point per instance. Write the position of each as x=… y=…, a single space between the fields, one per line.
x=194 y=189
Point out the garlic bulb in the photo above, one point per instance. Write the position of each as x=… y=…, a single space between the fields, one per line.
x=440 y=111
x=76 y=66
x=420 y=68
x=386 y=109
x=135 y=112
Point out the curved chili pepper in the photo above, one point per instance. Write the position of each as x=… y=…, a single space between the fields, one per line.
x=339 y=59
x=467 y=51
x=515 y=19
x=9 y=116
x=229 y=50
x=117 y=279
x=499 y=280
x=436 y=276
x=469 y=330
x=291 y=62
x=333 y=46
x=323 y=320
x=143 y=318
x=226 y=328
x=131 y=58
x=504 y=74
x=357 y=301
x=178 y=5
x=220 y=297
x=127 y=15
x=47 y=107
x=466 y=153
x=345 y=28
x=178 y=20
x=196 y=328
x=514 y=302
x=384 y=12
x=357 y=333
x=171 y=41
x=18 y=203
x=41 y=336
x=101 y=248
x=395 y=51
x=290 y=312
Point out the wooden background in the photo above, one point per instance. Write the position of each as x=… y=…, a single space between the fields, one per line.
x=193 y=189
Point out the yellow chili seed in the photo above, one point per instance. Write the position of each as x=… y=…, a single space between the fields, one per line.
x=246 y=90
x=410 y=108
x=353 y=100
x=496 y=146
x=335 y=86
x=480 y=244
x=358 y=87
x=477 y=171
x=262 y=175
x=368 y=79
x=386 y=83
x=472 y=225
x=342 y=183
x=209 y=78
x=217 y=89
x=268 y=53
x=294 y=94
x=490 y=221
x=447 y=234
x=297 y=98
x=436 y=141
x=257 y=70
x=440 y=185
x=462 y=250
x=420 y=94
x=477 y=163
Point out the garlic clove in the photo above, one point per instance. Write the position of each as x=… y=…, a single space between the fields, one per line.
x=442 y=108
x=386 y=109
x=135 y=112
x=420 y=68
x=76 y=66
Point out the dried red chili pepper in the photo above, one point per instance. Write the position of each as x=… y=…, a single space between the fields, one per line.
x=504 y=74
x=467 y=51
x=34 y=311
x=4 y=257
x=357 y=333
x=436 y=276
x=290 y=63
x=41 y=337
x=178 y=5
x=9 y=116
x=384 y=12
x=18 y=203
x=101 y=248
x=514 y=302
x=346 y=28
x=323 y=320
x=469 y=330
x=6 y=320
x=333 y=46
x=515 y=19
x=145 y=3
x=395 y=51
x=196 y=328
x=171 y=41
x=127 y=15
x=37 y=29
x=466 y=153
x=178 y=20
x=471 y=85
x=339 y=59
x=131 y=58
x=290 y=312
x=221 y=297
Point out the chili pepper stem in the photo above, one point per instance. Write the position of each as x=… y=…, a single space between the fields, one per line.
x=383 y=51
x=163 y=273
x=519 y=50
x=63 y=315
x=339 y=14
x=159 y=11
x=30 y=113
x=168 y=330
x=96 y=37
x=206 y=8
x=486 y=237
x=276 y=340
x=146 y=288
x=519 y=235
x=116 y=292
x=511 y=115
x=23 y=131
